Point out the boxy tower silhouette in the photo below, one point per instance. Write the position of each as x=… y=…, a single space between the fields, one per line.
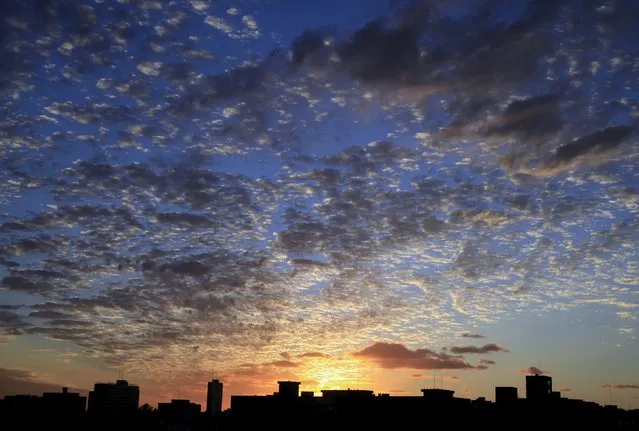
x=538 y=387
x=214 y=397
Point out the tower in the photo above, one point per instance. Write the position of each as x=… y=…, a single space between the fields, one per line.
x=214 y=397
x=538 y=387
x=114 y=399
x=289 y=390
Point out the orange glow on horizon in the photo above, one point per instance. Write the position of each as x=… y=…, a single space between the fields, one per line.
x=337 y=374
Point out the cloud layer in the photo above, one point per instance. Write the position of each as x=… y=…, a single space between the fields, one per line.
x=182 y=200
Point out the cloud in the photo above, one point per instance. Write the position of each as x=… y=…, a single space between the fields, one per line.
x=284 y=364
x=394 y=355
x=313 y=355
x=21 y=283
x=565 y=390
x=18 y=381
x=596 y=147
x=229 y=230
x=620 y=386
x=534 y=370
x=487 y=361
x=487 y=348
x=470 y=335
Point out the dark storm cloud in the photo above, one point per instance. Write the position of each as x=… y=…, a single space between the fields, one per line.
x=393 y=355
x=487 y=348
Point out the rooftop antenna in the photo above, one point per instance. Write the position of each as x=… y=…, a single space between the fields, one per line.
x=610 y=393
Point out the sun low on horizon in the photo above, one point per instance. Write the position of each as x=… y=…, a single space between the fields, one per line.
x=362 y=194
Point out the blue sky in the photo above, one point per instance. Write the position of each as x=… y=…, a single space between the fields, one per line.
x=197 y=188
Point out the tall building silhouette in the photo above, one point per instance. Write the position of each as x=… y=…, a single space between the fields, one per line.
x=114 y=399
x=288 y=390
x=214 y=397
x=538 y=387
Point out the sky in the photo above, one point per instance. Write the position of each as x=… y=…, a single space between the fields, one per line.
x=369 y=194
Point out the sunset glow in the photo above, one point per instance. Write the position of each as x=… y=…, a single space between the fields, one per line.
x=369 y=194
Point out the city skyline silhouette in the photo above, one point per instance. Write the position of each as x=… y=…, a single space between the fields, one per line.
x=117 y=404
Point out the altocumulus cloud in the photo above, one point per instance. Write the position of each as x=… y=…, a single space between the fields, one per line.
x=176 y=258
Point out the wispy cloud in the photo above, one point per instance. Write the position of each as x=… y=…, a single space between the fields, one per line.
x=471 y=335
x=620 y=386
x=487 y=348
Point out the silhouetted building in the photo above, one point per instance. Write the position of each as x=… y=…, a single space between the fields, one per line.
x=438 y=394
x=505 y=394
x=538 y=387
x=114 y=399
x=179 y=411
x=288 y=390
x=347 y=394
x=63 y=403
x=20 y=405
x=360 y=409
x=214 y=397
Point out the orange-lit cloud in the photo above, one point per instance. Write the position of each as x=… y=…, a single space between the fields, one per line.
x=394 y=355
x=534 y=370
